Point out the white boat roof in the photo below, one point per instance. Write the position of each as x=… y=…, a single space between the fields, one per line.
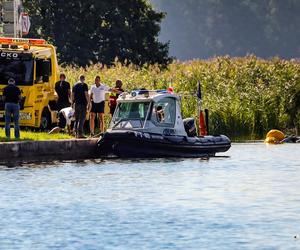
x=146 y=96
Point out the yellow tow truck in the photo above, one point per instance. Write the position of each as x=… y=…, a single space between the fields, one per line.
x=33 y=64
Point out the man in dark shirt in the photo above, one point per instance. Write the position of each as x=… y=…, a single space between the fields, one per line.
x=12 y=97
x=80 y=99
x=63 y=91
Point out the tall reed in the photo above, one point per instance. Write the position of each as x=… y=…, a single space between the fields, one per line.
x=246 y=96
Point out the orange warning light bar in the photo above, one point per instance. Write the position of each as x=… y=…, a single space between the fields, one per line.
x=10 y=40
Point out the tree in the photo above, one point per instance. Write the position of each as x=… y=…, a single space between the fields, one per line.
x=90 y=31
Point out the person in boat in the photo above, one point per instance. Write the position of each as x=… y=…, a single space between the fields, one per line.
x=65 y=118
x=160 y=113
x=114 y=96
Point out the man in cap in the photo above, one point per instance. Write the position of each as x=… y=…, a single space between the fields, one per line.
x=12 y=98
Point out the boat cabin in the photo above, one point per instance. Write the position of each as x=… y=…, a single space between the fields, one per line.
x=149 y=111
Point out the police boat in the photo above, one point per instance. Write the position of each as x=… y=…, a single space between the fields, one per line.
x=149 y=124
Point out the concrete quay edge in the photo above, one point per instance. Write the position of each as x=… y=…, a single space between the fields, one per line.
x=46 y=151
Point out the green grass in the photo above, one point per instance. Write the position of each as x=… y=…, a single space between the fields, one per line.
x=33 y=136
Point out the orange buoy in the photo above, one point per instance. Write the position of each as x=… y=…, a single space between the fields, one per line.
x=274 y=136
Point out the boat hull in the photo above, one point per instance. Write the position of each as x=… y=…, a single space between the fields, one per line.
x=133 y=144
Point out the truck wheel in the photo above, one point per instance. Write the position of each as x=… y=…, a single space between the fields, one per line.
x=45 y=120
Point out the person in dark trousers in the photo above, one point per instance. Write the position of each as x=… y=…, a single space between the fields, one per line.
x=63 y=90
x=114 y=96
x=80 y=99
x=12 y=97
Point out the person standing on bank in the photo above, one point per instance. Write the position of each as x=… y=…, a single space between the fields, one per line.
x=12 y=98
x=114 y=96
x=63 y=91
x=97 y=99
x=80 y=99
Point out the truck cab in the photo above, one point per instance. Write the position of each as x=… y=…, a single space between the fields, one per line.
x=32 y=63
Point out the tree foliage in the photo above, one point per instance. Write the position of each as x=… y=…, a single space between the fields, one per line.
x=205 y=28
x=90 y=31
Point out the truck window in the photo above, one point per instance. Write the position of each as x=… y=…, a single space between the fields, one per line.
x=21 y=70
x=39 y=69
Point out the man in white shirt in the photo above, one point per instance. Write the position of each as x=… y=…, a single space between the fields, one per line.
x=65 y=117
x=97 y=100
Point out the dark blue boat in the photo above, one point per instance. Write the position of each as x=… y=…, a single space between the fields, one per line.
x=149 y=124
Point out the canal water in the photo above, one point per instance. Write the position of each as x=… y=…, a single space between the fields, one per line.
x=247 y=199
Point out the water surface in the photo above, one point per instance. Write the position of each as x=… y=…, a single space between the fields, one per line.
x=249 y=200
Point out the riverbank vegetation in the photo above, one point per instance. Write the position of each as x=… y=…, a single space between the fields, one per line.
x=246 y=96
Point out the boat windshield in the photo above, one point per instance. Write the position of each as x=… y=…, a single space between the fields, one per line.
x=21 y=70
x=130 y=115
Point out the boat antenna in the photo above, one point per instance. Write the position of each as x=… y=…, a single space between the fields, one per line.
x=199 y=94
